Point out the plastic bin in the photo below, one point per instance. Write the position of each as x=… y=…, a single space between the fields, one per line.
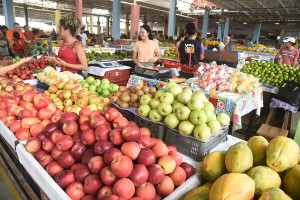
x=42 y=86
x=193 y=147
x=157 y=130
x=119 y=77
x=125 y=112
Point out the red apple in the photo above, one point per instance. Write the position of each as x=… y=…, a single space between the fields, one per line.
x=40 y=154
x=168 y=163
x=115 y=136
x=171 y=147
x=120 y=122
x=124 y=188
x=55 y=135
x=70 y=127
x=97 y=121
x=65 y=178
x=165 y=187
x=160 y=149
x=65 y=159
x=146 y=157
x=88 y=154
x=177 y=156
x=84 y=118
x=36 y=129
x=92 y=184
x=189 y=169
x=131 y=133
x=145 y=191
x=89 y=197
x=69 y=116
x=157 y=197
x=101 y=133
x=47 y=145
x=131 y=149
x=110 y=154
x=45 y=160
x=78 y=150
x=111 y=114
x=9 y=120
x=45 y=113
x=101 y=146
x=95 y=114
x=139 y=174
x=24 y=113
x=33 y=145
x=145 y=142
x=28 y=96
x=77 y=137
x=155 y=140
x=84 y=126
x=75 y=191
x=85 y=111
x=50 y=128
x=178 y=176
x=64 y=143
x=53 y=168
x=95 y=164
x=45 y=122
x=145 y=131
x=39 y=103
x=55 y=118
x=88 y=137
x=23 y=134
x=104 y=191
x=81 y=173
x=107 y=176
x=121 y=166
x=15 y=126
x=41 y=136
x=55 y=153
x=156 y=174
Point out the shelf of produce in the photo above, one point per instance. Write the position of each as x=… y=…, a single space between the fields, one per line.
x=8 y=135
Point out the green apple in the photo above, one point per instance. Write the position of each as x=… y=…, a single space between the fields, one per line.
x=93 y=107
x=198 y=117
x=174 y=102
x=155 y=116
x=167 y=97
x=208 y=105
x=99 y=90
x=97 y=82
x=214 y=126
x=186 y=128
x=105 y=80
x=202 y=132
x=176 y=106
x=92 y=87
x=187 y=89
x=144 y=110
x=145 y=99
x=210 y=115
x=79 y=80
x=223 y=119
x=105 y=92
x=199 y=94
x=164 y=109
x=184 y=97
x=154 y=103
x=171 y=120
x=183 y=113
x=113 y=88
x=175 y=90
x=90 y=80
x=195 y=103
x=85 y=84
x=104 y=85
x=169 y=84
x=159 y=93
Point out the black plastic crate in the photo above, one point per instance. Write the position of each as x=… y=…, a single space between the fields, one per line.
x=42 y=86
x=193 y=147
x=158 y=130
x=125 y=112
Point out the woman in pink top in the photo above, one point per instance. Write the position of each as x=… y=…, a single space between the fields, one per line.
x=288 y=53
x=71 y=55
x=146 y=50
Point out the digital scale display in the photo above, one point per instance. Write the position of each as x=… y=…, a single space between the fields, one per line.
x=105 y=64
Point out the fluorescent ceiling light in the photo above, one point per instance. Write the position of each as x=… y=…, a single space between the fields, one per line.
x=244 y=22
x=277 y=23
x=155 y=22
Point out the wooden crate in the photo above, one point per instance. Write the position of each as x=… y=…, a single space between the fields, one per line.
x=270 y=132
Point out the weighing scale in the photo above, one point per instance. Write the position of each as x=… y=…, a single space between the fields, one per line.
x=161 y=74
x=104 y=63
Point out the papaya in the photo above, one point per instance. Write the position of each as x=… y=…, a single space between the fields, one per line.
x=299 y=159
x=258 y=145
x=213 y=165
x=282 y=153
x=274 y=193
x=291 y=182
x=239 y=158
x=199 y=193
x=264 y=177
x=233 y=186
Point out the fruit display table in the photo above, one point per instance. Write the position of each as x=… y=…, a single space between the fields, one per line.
x=269 y=88
x=134 y=80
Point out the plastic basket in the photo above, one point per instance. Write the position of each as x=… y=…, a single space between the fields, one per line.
x=126 y=113
x=170 y=63
x=157 y=130
x=193 y=147
x=189 y=69
x=119 y=77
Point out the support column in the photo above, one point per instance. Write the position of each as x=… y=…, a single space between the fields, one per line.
x=232 y=33
x=205 y=24
x=98 y=26
x=14 y=13
x=256 y=32
x=172 y=18
x=213 y=33
x=78 y=4
x=57 y=18
x=87 y=24
x=226 y=27
x=110 y=27
x=299 y=35
x=107 y=25
x=145 y=20
x=178 y=31
x=219 y=34
x=91 y=25
x=8 y=12
x=127 y=25
x=165 y=28
x=116 y=19
x=196 y=22
x=26 y=14
x=135 y=18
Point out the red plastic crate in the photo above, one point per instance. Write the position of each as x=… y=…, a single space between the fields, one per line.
x=189 y=69
x=119 y=77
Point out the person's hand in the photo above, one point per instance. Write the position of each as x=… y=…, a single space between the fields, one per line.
x=154 y=59
x=24 y=60
x=59 y=61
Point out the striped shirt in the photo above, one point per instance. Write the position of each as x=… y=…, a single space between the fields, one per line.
x=288 y=55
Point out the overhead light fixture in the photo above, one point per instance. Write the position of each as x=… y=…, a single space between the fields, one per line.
x=244 y=22
x=277 y=23
x=155 y=22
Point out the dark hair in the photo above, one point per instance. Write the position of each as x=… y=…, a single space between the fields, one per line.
x=82 y=28
x=180 y=36
x=147 y=28
x=16 y=35
x=16 y=23
x=70 y=22
x=190 y=29
x=25 y=26
x=3 y=27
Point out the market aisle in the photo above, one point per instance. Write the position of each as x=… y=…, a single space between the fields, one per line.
x=6 y=187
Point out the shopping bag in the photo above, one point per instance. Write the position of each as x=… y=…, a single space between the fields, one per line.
x=289 y=92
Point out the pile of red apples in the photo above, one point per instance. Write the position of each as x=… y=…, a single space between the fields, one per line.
x=96 y=155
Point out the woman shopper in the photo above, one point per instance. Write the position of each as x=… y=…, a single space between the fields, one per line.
x=179 y=39
x=191 y=49
x=71 y=55
x=146 y=50
x=18 y=46
x=288 y=53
